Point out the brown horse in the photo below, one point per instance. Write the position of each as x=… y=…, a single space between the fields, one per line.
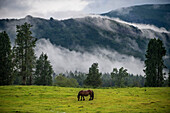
x=85 y=93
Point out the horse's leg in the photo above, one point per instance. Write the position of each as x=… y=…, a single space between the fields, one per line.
x=90 y=97
x=83 y=98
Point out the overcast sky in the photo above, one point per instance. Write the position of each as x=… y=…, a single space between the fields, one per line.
x=61 y=9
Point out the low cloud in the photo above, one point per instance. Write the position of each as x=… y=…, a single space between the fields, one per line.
x=139 y=26
x=105 y=22
x=143 y=26
x=64 y=60
x=124 y=11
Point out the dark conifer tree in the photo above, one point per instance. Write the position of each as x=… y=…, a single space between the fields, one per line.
x=154 y=63
x=94 y=76
x=5 y=59
x=24 y=53
x=44 y=71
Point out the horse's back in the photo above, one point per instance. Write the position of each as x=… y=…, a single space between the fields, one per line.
x=85 y=92
x=89 y=90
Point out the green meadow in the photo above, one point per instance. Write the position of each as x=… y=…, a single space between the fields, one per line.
x=46 y=99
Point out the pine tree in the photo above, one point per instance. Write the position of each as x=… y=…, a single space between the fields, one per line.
x=93 y=77
x=24 y=53
x=154 y=63
x=118 y=76
x=44 y=71
x=5 y=59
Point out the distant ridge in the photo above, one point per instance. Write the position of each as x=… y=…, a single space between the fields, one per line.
x=157 y=14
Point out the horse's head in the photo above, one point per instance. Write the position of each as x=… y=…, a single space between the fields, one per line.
x=78 y=96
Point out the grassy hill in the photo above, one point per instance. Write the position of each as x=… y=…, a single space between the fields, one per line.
x=64 y=100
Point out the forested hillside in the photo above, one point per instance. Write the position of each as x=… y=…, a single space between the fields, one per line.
x=84 y=34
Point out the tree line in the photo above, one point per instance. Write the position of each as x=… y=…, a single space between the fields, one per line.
x=19 y=65
x=80 y=79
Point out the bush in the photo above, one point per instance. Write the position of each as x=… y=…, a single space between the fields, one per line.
x=63 y=81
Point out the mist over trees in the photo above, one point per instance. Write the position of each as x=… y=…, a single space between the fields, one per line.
x=19 y=65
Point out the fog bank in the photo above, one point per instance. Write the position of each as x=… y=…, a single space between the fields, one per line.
x=64 y=60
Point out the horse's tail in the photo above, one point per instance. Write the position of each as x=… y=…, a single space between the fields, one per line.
x=92 y=95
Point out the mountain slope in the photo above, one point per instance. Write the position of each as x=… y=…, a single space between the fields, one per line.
x=85 y=34
x=158 y=15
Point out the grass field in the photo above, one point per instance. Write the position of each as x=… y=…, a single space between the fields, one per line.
x=64 y=100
